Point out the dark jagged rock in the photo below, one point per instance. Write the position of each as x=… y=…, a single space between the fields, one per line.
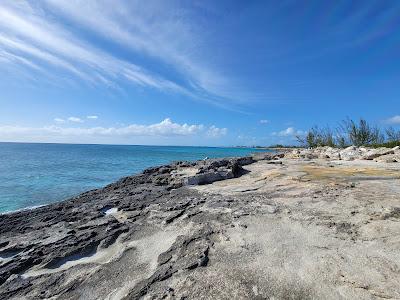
x=187 y=253
x=218 y=169
x=48 y=237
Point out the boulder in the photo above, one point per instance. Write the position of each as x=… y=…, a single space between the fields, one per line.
x=390 y=158
x=351 y=148
x=350 y=153
x=218 y=169
x=293 y=154
x=209 y=177
x=331 y=153
x=267 y=156
x=308 y=154
x=374 y=153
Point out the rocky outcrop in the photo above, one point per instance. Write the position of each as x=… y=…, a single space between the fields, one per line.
x=280 y=228
x=351 y=153
x=202 y=172
x=269 y=155
x=215 y=170
x=347 y=154
x=390 y=158
x=49 y=238
x=374 y=153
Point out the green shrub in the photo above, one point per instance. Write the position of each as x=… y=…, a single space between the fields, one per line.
x=349 y=132
x=389 y=144
x=362 y=134
x=317 y=137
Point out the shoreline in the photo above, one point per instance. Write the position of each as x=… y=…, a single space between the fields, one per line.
x=190 y=228
x=26 y=208
x=86 y=167
x=195 y=162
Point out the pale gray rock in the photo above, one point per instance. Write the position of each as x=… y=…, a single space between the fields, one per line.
x=350 y=153
x=374 y=153
x=389 y=158
x=347 y=154
x=330 y=153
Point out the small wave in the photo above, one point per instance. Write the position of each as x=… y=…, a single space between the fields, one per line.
x=22 y=209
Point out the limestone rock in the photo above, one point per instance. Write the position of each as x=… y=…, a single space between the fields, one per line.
x=148 y=236
x=389 y=158
x=374 y=153
x=267 y=156
x=350 y=153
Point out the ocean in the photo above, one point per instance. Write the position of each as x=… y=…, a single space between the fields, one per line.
x=37 y=174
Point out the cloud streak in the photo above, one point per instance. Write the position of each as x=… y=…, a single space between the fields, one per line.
x=32 y=36
x=172 y=38
x=28 y=34
x=395 y=120
x=75 y=120
x=59 y=120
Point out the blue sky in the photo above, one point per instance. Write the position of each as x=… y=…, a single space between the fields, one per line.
x=194 y=72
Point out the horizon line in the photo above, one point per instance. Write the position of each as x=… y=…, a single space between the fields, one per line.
x=148 y=145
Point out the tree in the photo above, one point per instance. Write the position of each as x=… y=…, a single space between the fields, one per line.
x=361 y=134
x=392 y=134
x=317 y=137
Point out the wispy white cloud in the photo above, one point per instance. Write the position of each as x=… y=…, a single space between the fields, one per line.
x=30 y=33
x=174 y=38
x=75 y=119
x=393 y=120
x=59 y=120
x=92 y=117
x=8 y=57
x=34 y=34
x=26 y=49
x=264 y=121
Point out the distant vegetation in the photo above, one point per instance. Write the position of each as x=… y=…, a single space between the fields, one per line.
x=349 y=132
x=277 y=146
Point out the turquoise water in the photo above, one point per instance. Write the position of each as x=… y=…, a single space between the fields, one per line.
x=37 y=174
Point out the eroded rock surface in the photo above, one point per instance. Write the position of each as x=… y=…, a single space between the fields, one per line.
x=348 y=154
x=273 y=226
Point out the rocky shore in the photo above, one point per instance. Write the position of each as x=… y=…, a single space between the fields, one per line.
x=304 y=224
x=349 y=153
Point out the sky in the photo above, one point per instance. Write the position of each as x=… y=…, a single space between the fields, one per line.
x=216 y=73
